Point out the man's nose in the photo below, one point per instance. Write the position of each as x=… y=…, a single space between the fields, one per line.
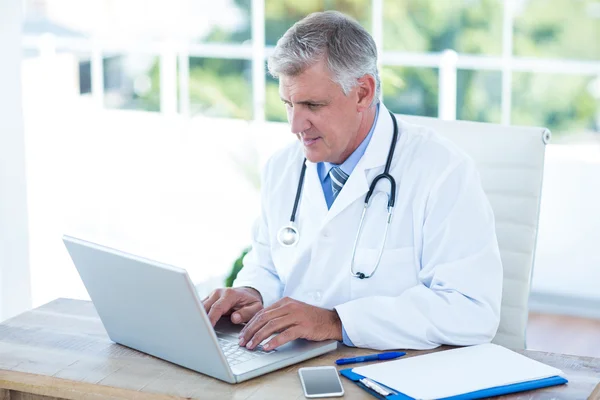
x=298 y=120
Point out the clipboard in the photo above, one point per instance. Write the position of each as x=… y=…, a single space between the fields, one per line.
x=479 y=394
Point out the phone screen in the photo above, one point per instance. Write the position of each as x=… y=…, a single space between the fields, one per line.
x=321 y=381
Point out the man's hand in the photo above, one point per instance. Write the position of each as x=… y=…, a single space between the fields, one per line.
x=242 y=303
x=292 y=319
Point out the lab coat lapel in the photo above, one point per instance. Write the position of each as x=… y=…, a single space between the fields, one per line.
x=371 y=164
x=313 y=193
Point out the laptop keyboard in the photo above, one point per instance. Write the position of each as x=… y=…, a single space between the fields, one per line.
x=236 y=354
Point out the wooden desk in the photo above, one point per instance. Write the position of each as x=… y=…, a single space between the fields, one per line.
x=61 y=350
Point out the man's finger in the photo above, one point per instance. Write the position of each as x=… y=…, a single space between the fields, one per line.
x=253 y=320
x=210 y=300
x=220 y=308
x=284 y=337
x=271 y=327
x=246 y=313
x=259 y=320
x=259 y=315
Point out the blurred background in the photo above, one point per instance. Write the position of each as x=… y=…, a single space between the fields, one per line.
x=147 y=122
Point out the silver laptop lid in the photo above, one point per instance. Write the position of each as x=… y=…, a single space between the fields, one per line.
x=149 y=306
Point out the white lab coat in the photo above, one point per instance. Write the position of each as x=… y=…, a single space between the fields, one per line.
x=440 y=277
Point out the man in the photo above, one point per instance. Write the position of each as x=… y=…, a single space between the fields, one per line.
x=438 y=279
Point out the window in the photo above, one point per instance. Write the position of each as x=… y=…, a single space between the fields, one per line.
x=567 y=104
x=561 y=29
x=479 y=96
x=409 y=90
x=220 y=87
x=526 y=62
x=274 y=108
x=131 y=81
x=471 y=26
x=221 y=21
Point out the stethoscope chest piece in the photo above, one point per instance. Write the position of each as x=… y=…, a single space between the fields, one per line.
x=288 y=236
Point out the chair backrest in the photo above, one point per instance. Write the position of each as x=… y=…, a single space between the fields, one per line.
x=510 y=161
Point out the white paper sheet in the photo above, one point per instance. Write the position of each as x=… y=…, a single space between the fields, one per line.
x=457 y=371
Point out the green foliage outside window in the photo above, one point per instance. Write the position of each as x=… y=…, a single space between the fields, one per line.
x=220 y=87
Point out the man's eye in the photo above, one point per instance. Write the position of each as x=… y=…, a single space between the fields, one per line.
x=314 y=106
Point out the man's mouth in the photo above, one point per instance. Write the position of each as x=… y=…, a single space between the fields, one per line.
x=310 y=142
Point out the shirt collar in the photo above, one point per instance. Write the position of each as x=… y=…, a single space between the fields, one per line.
x=351 y=162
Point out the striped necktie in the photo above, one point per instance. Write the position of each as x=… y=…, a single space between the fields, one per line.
x=338 y=178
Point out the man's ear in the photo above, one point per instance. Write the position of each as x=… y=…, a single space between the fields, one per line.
x=366 y=92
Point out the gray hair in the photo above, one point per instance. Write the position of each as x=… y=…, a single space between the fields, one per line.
x=348 y=49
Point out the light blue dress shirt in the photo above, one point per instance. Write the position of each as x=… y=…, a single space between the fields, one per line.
x=347 y=166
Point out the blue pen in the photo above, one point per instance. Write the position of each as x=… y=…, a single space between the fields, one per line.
x=373 y=357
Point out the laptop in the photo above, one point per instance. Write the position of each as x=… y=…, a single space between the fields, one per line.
x=154 y=308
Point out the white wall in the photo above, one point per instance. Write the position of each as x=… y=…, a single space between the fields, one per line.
x=15 y=292
x=567 y=263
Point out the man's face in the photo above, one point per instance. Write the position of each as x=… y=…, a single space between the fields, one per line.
x=324 y=119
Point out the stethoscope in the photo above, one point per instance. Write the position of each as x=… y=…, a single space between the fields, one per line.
x=289 y=236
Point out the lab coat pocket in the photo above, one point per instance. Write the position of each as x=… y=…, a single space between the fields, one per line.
x=396 y=272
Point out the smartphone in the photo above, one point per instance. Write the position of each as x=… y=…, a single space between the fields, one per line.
x=320 y=382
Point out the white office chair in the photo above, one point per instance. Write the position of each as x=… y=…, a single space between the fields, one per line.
x=511 y=164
